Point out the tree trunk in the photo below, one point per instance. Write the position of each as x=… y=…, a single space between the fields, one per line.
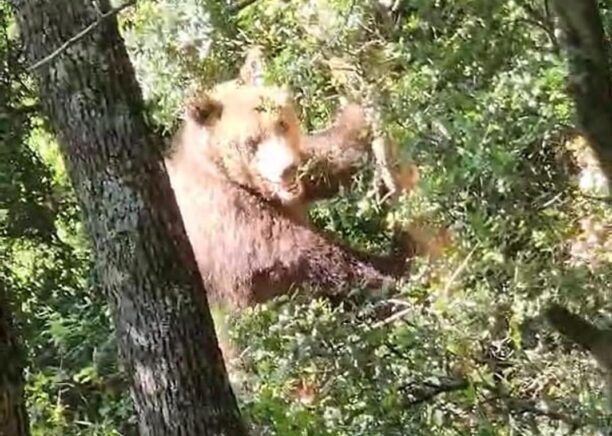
x=13 y=416
x=165 y=333
x=589 y=80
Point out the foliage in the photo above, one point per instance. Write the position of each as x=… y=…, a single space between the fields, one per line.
x=474 y=93
x=486 y=119
x=170 y=43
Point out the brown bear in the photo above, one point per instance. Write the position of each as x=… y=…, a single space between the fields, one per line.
x=235 y=167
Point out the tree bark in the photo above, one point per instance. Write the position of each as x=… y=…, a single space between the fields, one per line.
x=166 y=339
x=13 y=415
x=589 y=79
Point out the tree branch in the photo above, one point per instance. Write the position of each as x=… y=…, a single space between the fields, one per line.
x=584 y=333
x=542 y=21
x=76 y=38
x=418 y=393
x=523 y=406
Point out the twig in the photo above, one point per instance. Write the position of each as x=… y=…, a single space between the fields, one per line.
x=395 y=316
x=551 y=201
x=404 y=312
x=521 y=406
x=541 y=20
x=347 y=17
x=398 y=302
x=459 y=270
x=596 y=198
x=550 y=33
x=240 y=6
x=547 y=10
x=80 y=35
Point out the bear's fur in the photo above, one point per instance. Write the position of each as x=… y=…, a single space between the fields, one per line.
x=233 y=169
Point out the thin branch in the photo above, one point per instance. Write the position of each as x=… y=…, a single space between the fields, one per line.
x=398 y=302
x=522 y=406
x=451 y=280
x=422 y=392
x=541 y=20
x=241 y=5
x=550 y=33
x=110 y=13
x=597 y=198
x=395 y=316
x=462 y=266
x=347 y=17
x=547 y=11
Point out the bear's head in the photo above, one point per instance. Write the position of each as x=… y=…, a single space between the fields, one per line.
x=251 y=132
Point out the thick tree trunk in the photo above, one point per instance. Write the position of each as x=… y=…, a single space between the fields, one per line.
x=13 y=416
x=166 y=338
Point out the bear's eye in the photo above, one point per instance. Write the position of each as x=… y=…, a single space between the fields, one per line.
x=283 y=126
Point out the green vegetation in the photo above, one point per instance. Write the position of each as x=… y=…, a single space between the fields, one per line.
x=474 y=93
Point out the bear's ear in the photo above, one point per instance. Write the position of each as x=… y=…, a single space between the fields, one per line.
x=203 y=110
x=252 y=71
